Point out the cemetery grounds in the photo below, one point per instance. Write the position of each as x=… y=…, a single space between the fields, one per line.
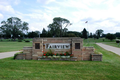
x=108 y=69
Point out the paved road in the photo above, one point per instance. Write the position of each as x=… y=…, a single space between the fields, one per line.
x=110 y=48
x=7 y=54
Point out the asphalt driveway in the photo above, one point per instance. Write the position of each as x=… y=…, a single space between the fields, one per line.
x=7 y=54
x=110 y=48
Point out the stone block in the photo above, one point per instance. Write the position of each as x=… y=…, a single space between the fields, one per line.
x=20 y=57
x=28 y=57
x=96 y=57
x=40 y=53
x=34 y=57
x=28 y=54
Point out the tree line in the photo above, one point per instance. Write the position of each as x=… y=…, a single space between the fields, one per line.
x=14 y=28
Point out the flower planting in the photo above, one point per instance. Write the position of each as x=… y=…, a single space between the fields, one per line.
x=56 y=55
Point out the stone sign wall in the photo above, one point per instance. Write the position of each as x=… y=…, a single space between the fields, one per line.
x=72 y=45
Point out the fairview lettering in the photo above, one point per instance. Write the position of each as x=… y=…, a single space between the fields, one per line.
x=57 y=46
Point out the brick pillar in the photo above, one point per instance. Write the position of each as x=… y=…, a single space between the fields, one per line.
x=77 y=48
x=37 y=52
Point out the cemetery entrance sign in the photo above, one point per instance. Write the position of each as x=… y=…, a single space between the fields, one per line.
x=72 y=45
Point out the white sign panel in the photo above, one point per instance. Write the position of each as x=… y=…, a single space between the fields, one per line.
x=57 y=46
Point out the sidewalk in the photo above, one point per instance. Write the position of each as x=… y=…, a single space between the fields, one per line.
x=7 y=54
x=110 y=48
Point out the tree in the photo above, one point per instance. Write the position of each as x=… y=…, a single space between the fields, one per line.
x=1 y=34
x=117 y=34
x=44 y=33
x=110 y=36
x=84 y=33
x=76 y=34
x=38 y=33
x=94 y=35
x=99 y=33
x=91 y=35
x=71 y=35
x=14 y=26
x=32 y=34
x=64 y=31
x=56 y=28
x=103 y=35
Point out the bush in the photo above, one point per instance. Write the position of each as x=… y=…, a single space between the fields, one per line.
x=103 y=40
x=19 y=40
x=117 y=41
x=27 y=41
x=118 y=37
x=110 y=36
x=9 y=40
x=16 y=54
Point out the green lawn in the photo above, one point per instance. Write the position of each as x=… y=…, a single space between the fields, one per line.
x=7 y=46
x=9 y=40
x=106 y=41
x=112 y=44
x=97 y=40
x=108 y=69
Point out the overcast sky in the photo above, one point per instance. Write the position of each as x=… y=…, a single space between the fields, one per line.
x=100 y=14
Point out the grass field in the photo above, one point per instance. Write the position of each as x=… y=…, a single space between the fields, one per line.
x=13 y=46
x=108 y=69
x=106 y=41
x=9 y=40
x=97 y=40
x=112 y=44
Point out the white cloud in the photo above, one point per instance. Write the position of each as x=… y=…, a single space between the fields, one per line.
x=16 y=2
x=37 y=20
x=1 y=16
x=7 y=8
x=4 y=2
x=49 y=1
x=52 y=10
x=45 y=1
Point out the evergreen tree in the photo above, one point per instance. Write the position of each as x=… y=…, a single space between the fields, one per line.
x=84 y=33
x=44 y=33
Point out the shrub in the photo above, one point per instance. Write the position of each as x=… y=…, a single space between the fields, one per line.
x=57 y=54
x=71 y=55
x=16 y=54
x=103 y=40
x=117 y=41
x=118 y=37
x=61 y=54
x=66 y=53
x=47 y=54
x=19 y=40
x=9 y=40
x=27 y=41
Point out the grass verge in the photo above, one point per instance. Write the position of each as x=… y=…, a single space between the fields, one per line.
x=13 y=46
x=112 y=44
